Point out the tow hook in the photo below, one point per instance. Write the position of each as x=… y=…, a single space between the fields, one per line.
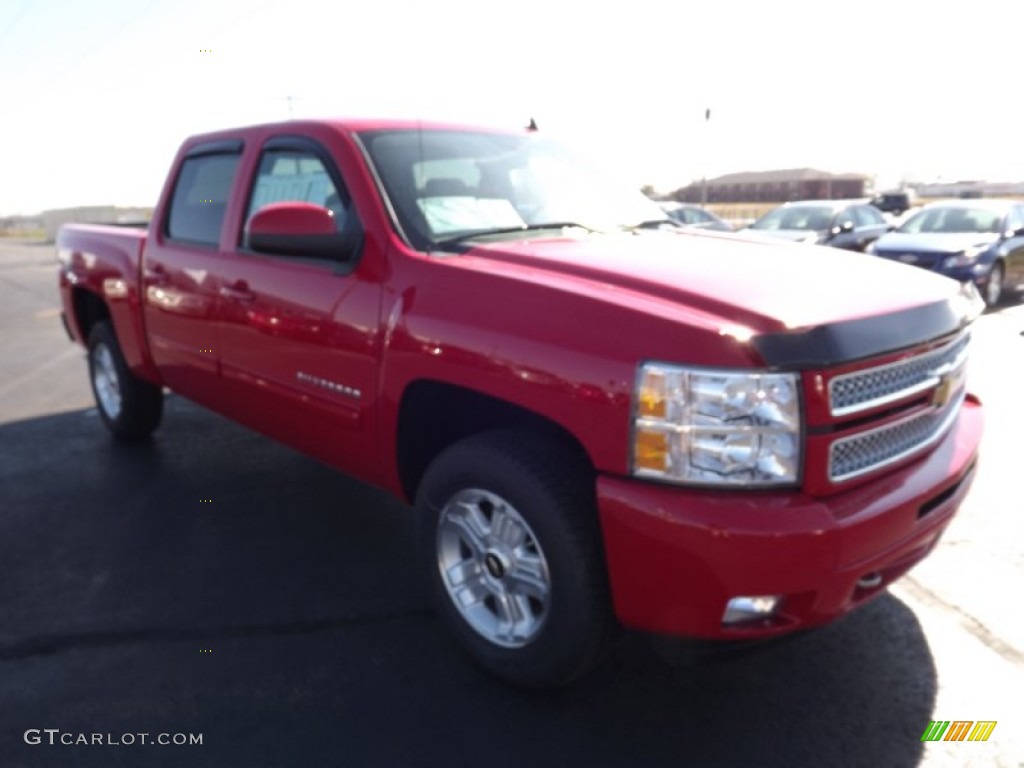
x=870 y=581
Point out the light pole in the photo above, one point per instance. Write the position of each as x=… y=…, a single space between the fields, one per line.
x=704 y=180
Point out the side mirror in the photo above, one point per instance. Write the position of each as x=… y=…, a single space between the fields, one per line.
x=297 y=229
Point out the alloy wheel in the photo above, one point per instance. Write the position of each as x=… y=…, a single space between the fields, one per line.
x=493 y=568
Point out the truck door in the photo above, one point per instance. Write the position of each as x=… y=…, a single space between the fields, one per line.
x=298 y=334
x=180 y=270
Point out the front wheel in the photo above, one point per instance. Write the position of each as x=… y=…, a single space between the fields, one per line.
x=994 y=285
x=513 y=556
x=130 y=407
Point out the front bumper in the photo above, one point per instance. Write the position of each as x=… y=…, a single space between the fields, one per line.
x=977 y=274
x=676 y=556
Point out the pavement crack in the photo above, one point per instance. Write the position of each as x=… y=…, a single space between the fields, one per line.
x=46 y=645
x=987 y=637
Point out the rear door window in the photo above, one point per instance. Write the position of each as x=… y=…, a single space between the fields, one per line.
x=200 y=198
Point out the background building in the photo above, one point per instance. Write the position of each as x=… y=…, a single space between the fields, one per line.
x=970 y=189
x=778 y=187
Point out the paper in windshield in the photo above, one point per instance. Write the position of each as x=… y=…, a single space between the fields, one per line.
x=446 y=215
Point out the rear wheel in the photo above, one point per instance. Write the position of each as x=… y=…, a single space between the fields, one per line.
x=513 y=557
x=130 y=407
x=994 y=286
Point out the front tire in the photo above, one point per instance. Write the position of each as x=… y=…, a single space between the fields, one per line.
x=130 y=407
x=512 y=553
x=994 y=285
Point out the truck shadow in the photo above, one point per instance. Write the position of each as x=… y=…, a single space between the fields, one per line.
x=120 y=567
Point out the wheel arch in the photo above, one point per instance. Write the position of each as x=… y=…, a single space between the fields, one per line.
x=434 y=415
x=89 y=308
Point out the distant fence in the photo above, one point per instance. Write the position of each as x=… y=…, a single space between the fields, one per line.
x=741 y=214
x=23 y=234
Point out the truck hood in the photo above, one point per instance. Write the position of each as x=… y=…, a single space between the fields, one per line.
x=775 y=290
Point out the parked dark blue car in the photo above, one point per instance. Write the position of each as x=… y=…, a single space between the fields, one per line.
x=978 y=241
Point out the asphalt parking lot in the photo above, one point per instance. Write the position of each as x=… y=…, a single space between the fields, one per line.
x=213 y=582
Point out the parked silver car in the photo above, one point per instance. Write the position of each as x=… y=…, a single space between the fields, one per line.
x=849 y=224
x=690 y=215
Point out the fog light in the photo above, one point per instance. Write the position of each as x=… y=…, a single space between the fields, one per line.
x=741 y=609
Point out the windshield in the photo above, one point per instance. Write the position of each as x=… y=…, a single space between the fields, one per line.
x=810 y=217
x=687 y=215
x=443 y=185
x=953 y=219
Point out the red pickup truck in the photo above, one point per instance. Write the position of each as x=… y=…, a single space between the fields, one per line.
x=602 y=420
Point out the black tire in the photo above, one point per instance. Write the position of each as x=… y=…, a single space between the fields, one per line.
x=130 y=407
x=994 y=292
x=549 y=487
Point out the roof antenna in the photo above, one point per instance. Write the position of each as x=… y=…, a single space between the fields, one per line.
x=532 y=126
x=291 y=105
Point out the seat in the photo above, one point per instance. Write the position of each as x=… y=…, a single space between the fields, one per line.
x=957 y=221
x=817 y=221
x=446 y=188
x=495 y=182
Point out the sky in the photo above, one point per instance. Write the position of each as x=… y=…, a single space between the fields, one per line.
x=97 y=95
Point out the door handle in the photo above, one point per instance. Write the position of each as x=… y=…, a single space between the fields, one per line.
x=237 y=291
x=155 y=274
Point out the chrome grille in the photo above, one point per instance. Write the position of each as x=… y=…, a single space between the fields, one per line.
x=924 y=259
x=862 y=390
x=865 y=452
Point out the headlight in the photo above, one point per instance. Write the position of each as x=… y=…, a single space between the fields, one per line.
x=716 y=427
x=968 y=302
x=965 y=258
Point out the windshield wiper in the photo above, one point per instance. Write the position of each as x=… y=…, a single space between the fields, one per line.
x=457 y=239
x=654 y=224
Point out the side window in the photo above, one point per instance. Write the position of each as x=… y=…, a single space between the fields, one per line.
x=290 y=175
x=1015 y=221
x=845 y=215
x=869 y=216
x=201 y=198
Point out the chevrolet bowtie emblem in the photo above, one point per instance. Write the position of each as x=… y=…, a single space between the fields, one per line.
x=944 y=392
